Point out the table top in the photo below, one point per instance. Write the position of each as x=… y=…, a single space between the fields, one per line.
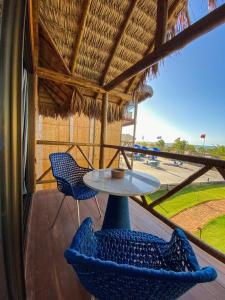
x=134 y=183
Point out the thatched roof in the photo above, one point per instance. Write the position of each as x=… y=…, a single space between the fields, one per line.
x=95 y=41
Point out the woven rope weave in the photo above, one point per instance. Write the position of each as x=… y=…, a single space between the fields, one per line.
x=69 y=176
x=117 y=264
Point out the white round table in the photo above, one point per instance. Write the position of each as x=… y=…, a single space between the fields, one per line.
x=134 y=183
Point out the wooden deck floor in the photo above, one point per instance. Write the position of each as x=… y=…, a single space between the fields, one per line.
x=49 y=277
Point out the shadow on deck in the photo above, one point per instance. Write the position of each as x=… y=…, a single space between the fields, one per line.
x=48 y=276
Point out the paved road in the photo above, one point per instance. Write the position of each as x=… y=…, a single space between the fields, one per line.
x=167 y=173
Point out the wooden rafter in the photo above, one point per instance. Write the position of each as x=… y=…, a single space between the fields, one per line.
x=73 y=81
x=204 y=25
x=118 y=39
x=55 y=97
x=87 y=4
x=161 y=23
x=117 y=42
x=161 y=30
x=62 y=91
x=52 y=43
x=33 y=8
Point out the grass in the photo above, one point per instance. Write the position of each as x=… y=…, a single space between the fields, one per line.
x=188 y=197
x=213 y=233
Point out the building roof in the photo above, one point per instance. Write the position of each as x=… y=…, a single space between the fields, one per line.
x=94 y=41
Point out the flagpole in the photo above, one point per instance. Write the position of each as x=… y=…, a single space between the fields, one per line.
x=204 y=146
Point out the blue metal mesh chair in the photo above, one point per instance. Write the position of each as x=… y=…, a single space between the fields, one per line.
x=127 y=265
x=69 y=176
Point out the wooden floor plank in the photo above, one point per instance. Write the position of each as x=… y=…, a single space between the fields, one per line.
x=48 y=276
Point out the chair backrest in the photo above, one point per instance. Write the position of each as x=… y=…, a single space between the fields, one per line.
x=64 y=166
x=121 y=269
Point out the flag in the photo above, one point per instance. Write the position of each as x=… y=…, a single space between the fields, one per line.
x=202 y=136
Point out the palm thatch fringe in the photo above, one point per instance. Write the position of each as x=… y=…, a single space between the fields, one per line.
x=82 y=105
x=182 y=22
x=99 y=37
x=104 y=23
x=212 y=4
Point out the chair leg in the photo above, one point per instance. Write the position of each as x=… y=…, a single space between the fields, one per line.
x=78 y=212
x=99 y=210
x=57 y=213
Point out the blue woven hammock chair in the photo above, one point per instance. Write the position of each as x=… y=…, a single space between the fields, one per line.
x=119 y=264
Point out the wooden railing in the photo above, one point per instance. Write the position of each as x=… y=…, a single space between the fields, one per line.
x=208 y=163
x=205 y=164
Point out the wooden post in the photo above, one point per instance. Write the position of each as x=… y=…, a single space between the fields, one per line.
x=103 y=130
x=32 y=114
x=134 y=131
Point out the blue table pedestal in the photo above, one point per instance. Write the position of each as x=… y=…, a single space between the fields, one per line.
x=117 y=213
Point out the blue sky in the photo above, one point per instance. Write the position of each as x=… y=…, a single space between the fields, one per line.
x=189 y=92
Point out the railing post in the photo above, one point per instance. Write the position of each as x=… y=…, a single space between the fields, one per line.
x=32 y=116
x=103 y=137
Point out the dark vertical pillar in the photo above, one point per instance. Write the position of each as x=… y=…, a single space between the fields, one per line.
x=11 y=65
x=32 y=82
x=134 y=131
x=103 y=136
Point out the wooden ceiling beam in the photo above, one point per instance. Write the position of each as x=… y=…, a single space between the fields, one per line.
x=201 y=27
x=73 y=81
x=52 y=43
x=87 y=4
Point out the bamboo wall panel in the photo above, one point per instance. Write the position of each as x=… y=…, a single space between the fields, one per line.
x=74 y=129
x=113 y=137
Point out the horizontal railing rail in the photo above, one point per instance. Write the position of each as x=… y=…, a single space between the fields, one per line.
x=62 y=143
x=208 y=164
x=213 y=162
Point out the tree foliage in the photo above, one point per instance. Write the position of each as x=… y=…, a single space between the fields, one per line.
x=161 y=144
x=180 y=146
x=218 y=151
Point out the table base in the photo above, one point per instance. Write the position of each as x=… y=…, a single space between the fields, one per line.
x=117 y=213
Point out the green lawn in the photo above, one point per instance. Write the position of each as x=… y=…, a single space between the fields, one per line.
x=187 y=198
x=213 y=233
